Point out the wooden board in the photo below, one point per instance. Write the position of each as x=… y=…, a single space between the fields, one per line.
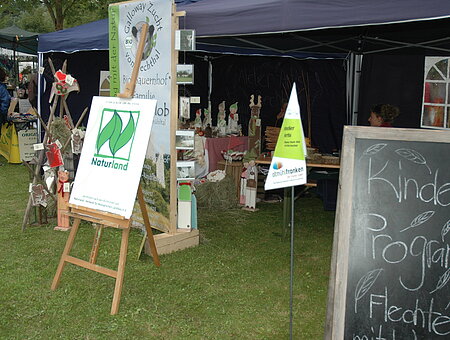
x=390 y=268
x=168 y=243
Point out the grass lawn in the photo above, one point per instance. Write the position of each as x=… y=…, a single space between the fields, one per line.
x=235 y=284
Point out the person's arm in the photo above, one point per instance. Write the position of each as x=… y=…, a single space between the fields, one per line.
x=5 y=99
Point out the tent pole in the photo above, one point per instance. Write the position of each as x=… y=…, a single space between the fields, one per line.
x=349 y=86
x=357 y=64
x=40 y=64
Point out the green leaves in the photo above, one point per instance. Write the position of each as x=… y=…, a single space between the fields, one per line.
x=124 y=137
x=117 y=121
x=113 y=133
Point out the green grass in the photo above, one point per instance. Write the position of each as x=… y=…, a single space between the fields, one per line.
x=235 y=284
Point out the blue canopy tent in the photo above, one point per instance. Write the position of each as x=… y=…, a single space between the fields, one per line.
x=88 y=37
x=321 y=26
x=85 y=48
x=348 y=28
x=348 y=31
x=18 y=40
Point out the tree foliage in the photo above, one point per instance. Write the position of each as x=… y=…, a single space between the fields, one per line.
x=47 y=15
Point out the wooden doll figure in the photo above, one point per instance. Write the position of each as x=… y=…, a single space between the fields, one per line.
x=233 y=119
x=207 y=120
x=243 y=184
x=221 y=120
x=198 y=120
x=250 y=191
x=63 y=201
x=255 y=109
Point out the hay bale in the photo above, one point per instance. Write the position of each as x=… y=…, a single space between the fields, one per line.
x=217 y=195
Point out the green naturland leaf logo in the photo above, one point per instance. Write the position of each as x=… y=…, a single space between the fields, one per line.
x=114 y=141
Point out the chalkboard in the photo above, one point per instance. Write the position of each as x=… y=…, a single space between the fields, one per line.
x=390 y=275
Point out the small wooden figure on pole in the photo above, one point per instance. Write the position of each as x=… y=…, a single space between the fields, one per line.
x=63 y=201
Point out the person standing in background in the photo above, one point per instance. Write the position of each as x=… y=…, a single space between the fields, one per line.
x=383 y=115
x=5 y=98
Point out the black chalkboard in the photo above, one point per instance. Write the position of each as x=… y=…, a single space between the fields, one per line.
x=391 y=275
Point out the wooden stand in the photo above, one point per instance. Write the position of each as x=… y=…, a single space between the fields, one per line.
x=103 y=219
x=174 y=240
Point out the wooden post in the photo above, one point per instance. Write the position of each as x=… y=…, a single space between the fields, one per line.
x=96 y=243
x=66 y=251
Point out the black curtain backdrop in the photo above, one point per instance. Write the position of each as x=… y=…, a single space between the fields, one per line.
x=396 y=80
x=321 y=83
x=235 y=78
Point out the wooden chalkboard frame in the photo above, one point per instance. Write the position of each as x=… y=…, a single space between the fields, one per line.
x=336 y=305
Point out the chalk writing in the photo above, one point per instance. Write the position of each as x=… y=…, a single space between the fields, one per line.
x=399 y=254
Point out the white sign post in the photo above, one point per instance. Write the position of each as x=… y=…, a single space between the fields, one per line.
x=288 y=168
x=113 y=154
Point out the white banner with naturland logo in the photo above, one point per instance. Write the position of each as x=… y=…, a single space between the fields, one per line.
x=288 y=167
x=113 y=154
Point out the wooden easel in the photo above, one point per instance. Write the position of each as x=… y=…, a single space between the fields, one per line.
x=103 y=219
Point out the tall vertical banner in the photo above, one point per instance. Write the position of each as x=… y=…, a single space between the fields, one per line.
x=288 y=167
x=154 y=82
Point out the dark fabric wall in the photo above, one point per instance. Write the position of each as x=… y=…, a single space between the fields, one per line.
x=321 y=83
x=320 y=86
x=396 y=80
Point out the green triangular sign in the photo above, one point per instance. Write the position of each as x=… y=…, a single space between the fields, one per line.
x=288 y=167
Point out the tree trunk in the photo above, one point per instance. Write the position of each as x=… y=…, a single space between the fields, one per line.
x=59 y=23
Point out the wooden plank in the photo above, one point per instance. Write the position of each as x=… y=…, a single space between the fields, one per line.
x=131 y=85
x=90 y=266
x=66 y=251
x=148 y=229
x=96 y=243
x=81 y=209
x=95 y=220
x=173 y=126
x=168 y=243
x=120 y=271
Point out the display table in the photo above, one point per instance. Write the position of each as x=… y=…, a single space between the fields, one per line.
x=325 y=181
x=215 y=146
x=233 y=169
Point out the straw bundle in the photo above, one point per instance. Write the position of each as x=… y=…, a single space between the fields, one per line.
x=217 y=195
